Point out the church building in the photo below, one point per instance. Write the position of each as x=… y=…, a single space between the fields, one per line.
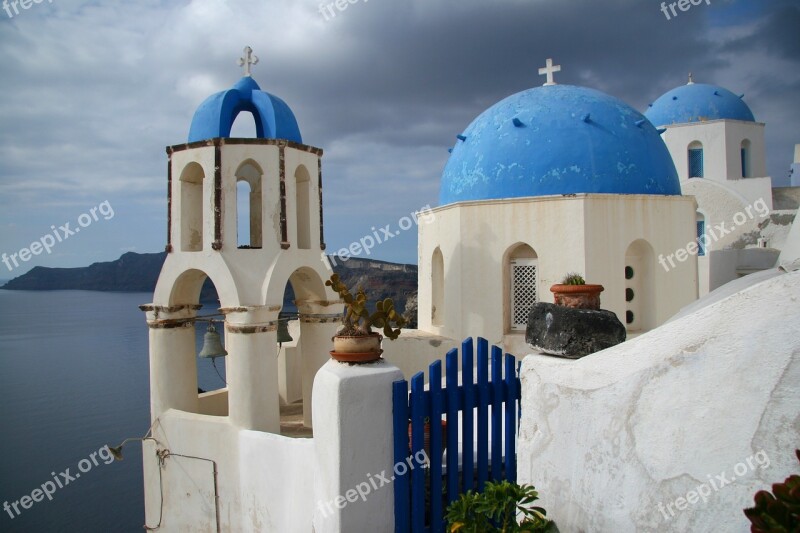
x=553 y=180
x=718 y=149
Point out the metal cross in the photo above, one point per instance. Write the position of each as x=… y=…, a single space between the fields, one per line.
x=248 y=60
x=549 y=70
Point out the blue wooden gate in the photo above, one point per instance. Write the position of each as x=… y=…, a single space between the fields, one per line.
x=478 y=450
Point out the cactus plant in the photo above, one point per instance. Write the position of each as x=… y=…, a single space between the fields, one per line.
x=573 y=279
x=358 y=321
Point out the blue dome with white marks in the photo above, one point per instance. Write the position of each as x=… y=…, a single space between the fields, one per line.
x=555 y=140
x=698 y=102
x=215 y=116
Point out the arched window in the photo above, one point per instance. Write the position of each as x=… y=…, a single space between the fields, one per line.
x=437 y=288
x=191 y=184
x=522 y=282
x=303 y=207
x=696 y=169
x=249 y=205
x=745 y=153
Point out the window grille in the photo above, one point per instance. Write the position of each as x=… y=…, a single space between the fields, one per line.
x=696 y=163
x=524 y=294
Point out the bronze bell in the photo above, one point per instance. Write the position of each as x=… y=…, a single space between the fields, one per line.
x=283 y=331
x=212 y=344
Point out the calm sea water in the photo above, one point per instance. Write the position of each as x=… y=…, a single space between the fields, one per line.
x=74 y=377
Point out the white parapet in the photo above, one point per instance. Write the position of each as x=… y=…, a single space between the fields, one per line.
x=352 y=411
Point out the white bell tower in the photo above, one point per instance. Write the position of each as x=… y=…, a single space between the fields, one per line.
x=286 y=245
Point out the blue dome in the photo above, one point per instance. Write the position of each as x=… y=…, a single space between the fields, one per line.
x=697 y=102
x=558 y=139
x=214 y=118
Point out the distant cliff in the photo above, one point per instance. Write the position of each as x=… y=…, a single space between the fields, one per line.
x=130 y=273
x=139 y=272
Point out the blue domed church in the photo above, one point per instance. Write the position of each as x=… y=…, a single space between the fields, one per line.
x=718 y=149
x=553 y=180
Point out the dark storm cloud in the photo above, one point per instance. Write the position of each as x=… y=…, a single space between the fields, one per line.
x=92 y=93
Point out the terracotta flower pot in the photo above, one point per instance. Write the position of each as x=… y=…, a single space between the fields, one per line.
x=357 y=348
x=577 y=296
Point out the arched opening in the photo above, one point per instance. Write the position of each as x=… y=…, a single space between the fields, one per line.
x=191 y=185
x=249 y=205
x=639 y=286
x=696 y=165
x=437 y=288
x=290 y=369
x=521 y=282
x=244 y=126
x=300 y=358
x=303 y=207
x=207 y=372
x=745 y=155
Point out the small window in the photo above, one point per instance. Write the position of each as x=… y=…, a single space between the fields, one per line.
x=629 y=294
x=695 y=162
x=701 y=237
x=629 y=317
x=523 y=291
x=629 y=272
x=745 y=158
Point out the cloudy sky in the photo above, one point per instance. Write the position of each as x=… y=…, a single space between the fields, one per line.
x=91 y=92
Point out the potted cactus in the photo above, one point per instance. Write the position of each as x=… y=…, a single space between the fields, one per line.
x=573 y=291
x=355 y=342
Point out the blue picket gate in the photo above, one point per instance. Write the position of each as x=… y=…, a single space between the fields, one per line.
x=486 y=451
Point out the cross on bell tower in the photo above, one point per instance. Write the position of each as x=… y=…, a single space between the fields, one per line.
x=549 y=70
x=248 y=60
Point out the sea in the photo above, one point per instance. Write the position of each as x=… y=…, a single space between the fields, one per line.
x=74 y=377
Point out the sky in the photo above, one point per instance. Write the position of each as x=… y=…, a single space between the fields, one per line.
x=92 y=92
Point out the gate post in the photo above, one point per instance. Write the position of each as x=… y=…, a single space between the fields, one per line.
x=353 y=441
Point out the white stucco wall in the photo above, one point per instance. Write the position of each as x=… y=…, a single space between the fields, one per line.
x=608 y=438
x=414 y=350
x=791 y=250
x=248 y=465
x=722 y=143
x=589 y=234
x=353 y=437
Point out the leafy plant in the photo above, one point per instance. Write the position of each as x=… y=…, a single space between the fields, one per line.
x=778 y=511
x=573 y=279
x=358 y=321
x=496 y=510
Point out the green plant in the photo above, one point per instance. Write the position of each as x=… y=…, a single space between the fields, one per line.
x=496 y=510
x=358 y=321
x=573 y=279
x=778 y=511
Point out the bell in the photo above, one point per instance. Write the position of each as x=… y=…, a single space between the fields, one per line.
x=283 y=331
x=212 y=346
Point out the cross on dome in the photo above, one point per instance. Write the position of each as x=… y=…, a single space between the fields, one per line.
x=549 y=70
x=248 y=60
